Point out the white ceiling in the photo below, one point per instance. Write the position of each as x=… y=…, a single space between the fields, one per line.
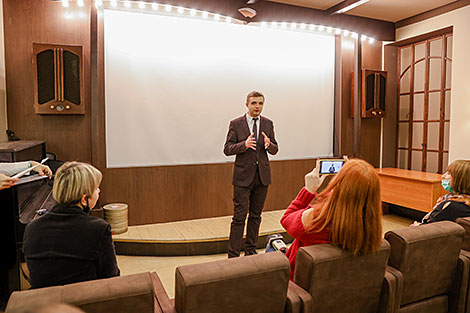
x=388 y=10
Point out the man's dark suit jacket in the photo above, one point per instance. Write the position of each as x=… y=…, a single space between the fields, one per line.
x=247 y=160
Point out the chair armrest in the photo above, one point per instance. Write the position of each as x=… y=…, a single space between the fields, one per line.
x=392 y=287
x=459 y=289
x=162 y=302
x=298 y=299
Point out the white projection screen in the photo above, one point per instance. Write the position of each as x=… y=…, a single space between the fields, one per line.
x=172 y=85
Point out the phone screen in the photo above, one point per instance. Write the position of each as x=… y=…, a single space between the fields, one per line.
x=330 y=166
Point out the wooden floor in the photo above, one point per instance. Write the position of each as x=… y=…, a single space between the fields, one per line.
x=193 y=237
x=205 y=236
x=196 y=230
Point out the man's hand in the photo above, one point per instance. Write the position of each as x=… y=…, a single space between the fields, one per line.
x=42 y=169
x=267 y=141
x=250 y=142
x=6 y=181
x=313 y=179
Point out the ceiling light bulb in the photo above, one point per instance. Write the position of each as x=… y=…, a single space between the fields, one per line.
x=293 y=25
x=168 y=8
x=65 y=3
x=346 y=32
x=337 y=31
x=354 y=35
x=311 y=27
x=113 y=3
x=329 y=29
x=192 y=12
x=98 y=3
x=321 y=28
x=263 y=24
x=273 y=24
x=363 y=37
x=216 y=17
x=142 y=5
x=80 y=3
x=180 y=10
x=371 y=40
x=205 y=14
x=155 y=6
x=228 y=19
x=127 y=4
x=283 y=25
x=302 y=26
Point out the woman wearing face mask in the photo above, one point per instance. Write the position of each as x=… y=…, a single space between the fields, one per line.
x=456 y=203
x=67 y=245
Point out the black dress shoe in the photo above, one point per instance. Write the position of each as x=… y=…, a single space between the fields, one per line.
x=250 y=252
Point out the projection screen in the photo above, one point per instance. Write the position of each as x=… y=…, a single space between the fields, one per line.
x=173 y=84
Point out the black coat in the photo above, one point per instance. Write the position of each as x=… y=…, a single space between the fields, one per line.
x=68 y=246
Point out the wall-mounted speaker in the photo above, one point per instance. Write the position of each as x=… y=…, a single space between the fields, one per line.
x=374 y=86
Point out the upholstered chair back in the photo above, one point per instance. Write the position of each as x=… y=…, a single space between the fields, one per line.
x=428 y=258
x=339 y=281
x=256 y=283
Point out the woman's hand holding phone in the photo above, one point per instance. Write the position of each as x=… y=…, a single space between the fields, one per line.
x=313 y=180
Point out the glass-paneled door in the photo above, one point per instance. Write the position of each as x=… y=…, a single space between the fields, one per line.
x=424 y=104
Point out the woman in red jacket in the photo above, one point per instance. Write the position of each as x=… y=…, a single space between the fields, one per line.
x=346 y=214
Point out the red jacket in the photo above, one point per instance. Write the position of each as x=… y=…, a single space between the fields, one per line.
x=292 y=223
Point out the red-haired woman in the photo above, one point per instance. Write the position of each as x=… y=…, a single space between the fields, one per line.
x=346 y=214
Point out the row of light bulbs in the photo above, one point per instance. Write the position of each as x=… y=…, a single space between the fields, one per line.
x=193 y=12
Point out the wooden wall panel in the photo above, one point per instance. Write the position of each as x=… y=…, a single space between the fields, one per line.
x=154 y=194
x=370 y=128
x=44 y=21
x=390 y=122
x=172 y=193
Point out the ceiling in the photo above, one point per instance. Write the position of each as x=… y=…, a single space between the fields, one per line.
x=387 y=10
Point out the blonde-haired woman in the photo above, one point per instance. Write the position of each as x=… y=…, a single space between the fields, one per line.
x=67 y=245
x=346 y=214
x=455 y=204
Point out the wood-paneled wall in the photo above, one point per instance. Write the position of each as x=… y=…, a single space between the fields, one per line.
x=370 y=127
x=154 y=194
x=45 y=21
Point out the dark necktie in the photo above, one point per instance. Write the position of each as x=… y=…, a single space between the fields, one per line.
x=255 y=129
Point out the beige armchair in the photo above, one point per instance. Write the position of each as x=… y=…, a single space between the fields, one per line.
x=465 y=223
x=435 y=275
x=341 y=282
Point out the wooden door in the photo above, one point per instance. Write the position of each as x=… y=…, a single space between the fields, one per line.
x=424 y=104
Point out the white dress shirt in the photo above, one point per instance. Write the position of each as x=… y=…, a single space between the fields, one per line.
x=251 y=122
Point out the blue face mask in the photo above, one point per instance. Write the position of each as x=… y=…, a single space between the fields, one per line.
x=446 y=185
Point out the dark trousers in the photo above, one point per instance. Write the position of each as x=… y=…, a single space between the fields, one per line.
x=246 y=200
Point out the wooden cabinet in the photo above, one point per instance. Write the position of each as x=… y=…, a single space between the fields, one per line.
x=374 y=85
x=58 y=79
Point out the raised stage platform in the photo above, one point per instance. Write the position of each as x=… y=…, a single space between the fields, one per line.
x=193 y=237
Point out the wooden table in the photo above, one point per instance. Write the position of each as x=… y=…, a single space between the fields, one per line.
x=411 y=189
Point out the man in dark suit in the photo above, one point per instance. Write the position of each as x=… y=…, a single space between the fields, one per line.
x=250 y=137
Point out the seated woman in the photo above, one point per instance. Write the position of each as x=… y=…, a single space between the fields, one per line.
x=67 y=245
x=346 y=214
x=456 y=203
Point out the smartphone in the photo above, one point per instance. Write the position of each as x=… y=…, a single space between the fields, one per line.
x=330 y=166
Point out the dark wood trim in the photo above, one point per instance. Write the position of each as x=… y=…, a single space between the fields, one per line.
x=357 y=95
x=337 y=151
x=338 y=7
x=412 y=88
x=442 y=103
x=424 y=144
x=431 y=13
x=423 y=37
